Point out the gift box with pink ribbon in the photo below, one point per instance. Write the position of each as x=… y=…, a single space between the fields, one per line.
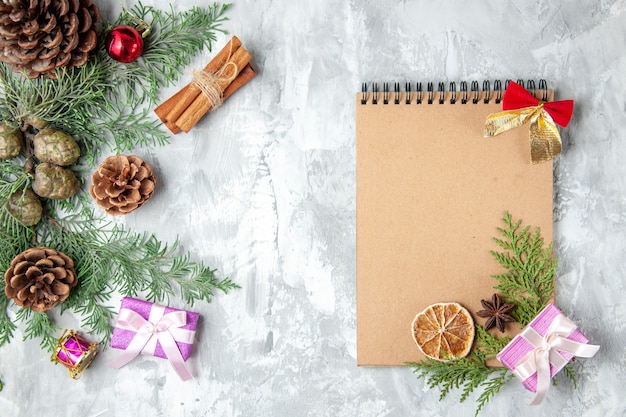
x=151 y=329
x=543 y=348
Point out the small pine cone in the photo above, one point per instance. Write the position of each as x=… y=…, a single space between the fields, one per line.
x=39 y=36
x=56 y=147
x=10 y=141
x=54 y=182
x=40 y=278
x=122 y=184
x=26 y=207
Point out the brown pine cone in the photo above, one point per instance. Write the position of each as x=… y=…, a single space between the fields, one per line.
x=38 y=36
x=122 y=184
x=40 y=278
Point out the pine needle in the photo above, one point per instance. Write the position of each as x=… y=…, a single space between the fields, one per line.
x=38 y=326
x=6 y=325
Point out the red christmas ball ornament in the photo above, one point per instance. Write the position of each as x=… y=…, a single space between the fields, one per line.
x=124 y=44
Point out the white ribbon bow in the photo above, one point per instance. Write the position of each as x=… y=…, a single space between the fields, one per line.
x=161 y=327
x=546 y=352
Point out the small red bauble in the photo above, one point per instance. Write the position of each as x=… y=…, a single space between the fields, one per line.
x=124 y=44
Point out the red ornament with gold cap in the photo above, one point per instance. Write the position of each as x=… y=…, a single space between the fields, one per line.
x=124 y=43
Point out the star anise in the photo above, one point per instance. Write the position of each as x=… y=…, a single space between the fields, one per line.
x=496 y=312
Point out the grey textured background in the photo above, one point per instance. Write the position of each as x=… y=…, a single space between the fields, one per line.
x=264 y=191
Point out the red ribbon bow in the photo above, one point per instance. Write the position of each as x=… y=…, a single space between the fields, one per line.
x=520 y=107
x=516 y=97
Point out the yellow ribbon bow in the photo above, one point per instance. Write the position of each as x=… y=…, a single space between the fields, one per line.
x=521 y=107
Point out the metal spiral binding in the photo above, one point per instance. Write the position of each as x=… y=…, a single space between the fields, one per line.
x=497 y=86
x=386 y=93
x=543 y=86
x=475 y=92
x=464 y=95
x=396 y=90
x=452 y=91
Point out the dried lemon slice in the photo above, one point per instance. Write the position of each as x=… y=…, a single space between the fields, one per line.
x=444 y=330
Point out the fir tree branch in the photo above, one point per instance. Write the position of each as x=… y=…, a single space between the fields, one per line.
x=111 y=259
x=6 y=325
x=53 y=100
x=14 y=236
x=131 y=127
x=97 y=102
x=570 y=373
x=492 y=386
x=103 y=104
x=465 y=373
x=38 y=325
x=487 y=345
x=530 y=269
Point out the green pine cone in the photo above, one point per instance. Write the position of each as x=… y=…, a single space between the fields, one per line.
x=10 y=141
x=55 y=182
x=26 y=207
x=55 y=147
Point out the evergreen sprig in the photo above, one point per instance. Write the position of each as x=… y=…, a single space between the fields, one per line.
x=529 y=284
x=38 y=325
x=111 y=259
x=469 y=373
x=531 y=268
x=7 y=327
x=52 y=100
x=570 y=373
x=104 y=104
x=99 y=101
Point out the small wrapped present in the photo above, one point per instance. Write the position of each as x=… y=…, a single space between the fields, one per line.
x=543 y=348
x=152 y=329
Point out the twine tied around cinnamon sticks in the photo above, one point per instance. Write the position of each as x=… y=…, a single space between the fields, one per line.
x=226 y=73
x=210 y=84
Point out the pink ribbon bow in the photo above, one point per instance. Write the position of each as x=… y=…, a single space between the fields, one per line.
x=161 y=327
x=546 y=353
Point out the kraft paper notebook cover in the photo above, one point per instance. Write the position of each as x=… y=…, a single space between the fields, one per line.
x=431 y=191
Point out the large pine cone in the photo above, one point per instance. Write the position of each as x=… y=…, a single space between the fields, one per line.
x=40 y=278
x=38 y=36
x=122 y=184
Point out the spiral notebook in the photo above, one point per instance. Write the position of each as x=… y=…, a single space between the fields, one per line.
x=431 y=191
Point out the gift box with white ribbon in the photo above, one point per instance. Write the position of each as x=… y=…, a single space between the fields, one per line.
x=151 y=329
x=543 y=348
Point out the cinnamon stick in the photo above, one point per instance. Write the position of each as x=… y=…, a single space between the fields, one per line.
x=186 y=107
x=201 y=105
x=246 y=74
x=163 y=110
x=191 y=90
